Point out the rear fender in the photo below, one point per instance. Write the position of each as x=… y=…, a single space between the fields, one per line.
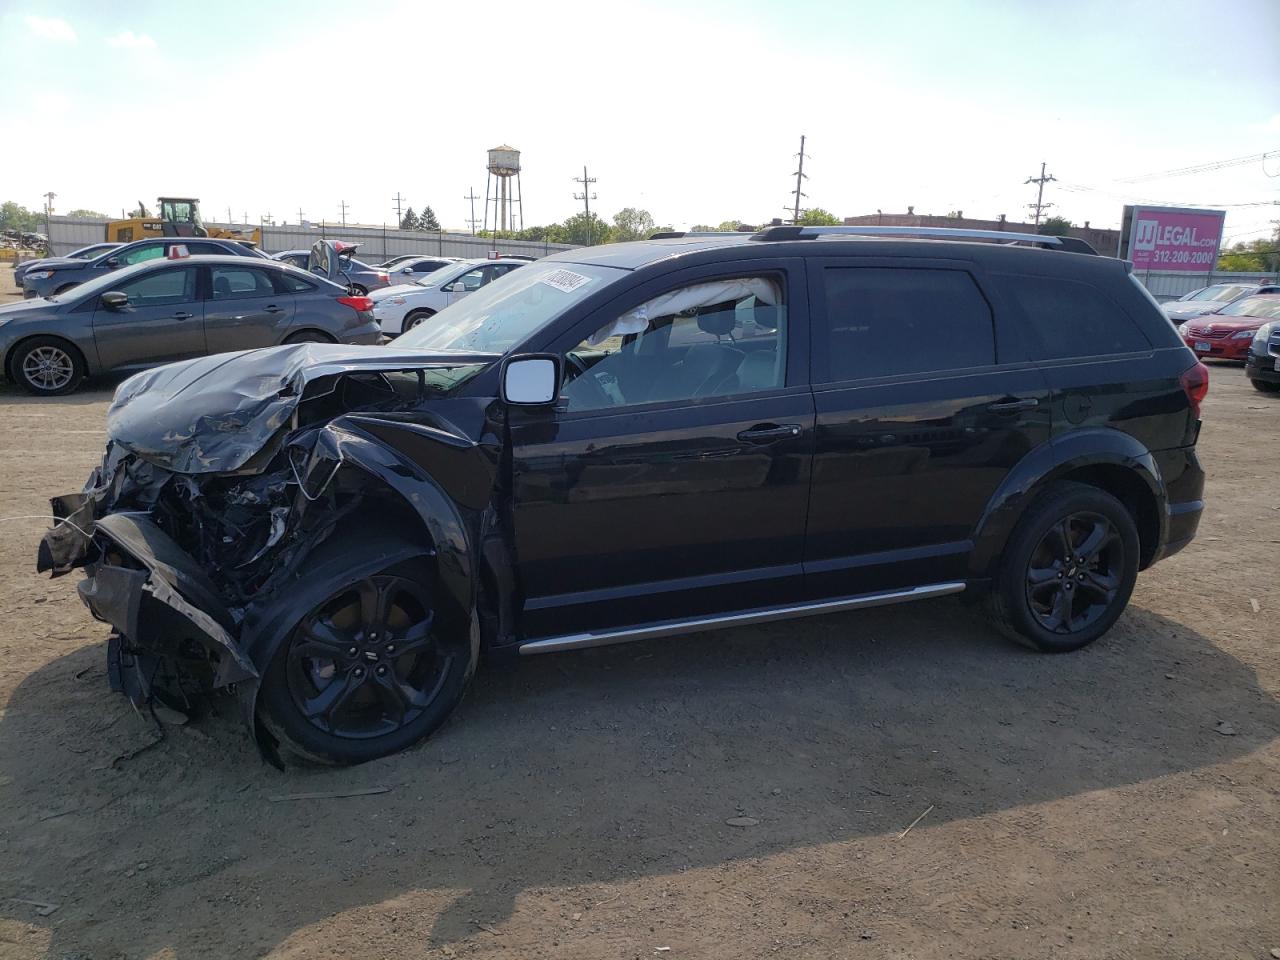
x=1051 y=461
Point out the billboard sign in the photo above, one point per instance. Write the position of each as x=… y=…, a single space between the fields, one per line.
x=1173 y=239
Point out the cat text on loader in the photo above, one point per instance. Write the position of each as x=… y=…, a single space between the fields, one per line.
x=179 y=217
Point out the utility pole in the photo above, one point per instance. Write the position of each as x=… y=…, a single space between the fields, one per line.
x=399 y=216
x=801 y=176
x=299 y=216
x=343 y=204
x=230 y=221
x=471 y=195
x=1040 y=206
x=586 y=196
x=48 y=212
x=245 y=221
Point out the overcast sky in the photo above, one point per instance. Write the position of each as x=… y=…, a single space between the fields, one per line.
x=691 y=110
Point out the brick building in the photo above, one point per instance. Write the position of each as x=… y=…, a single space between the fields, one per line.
x=1104 y=241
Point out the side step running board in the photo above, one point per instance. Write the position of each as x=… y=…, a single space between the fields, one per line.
x=672 y=628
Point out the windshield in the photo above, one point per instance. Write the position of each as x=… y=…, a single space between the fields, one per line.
x=509 y=310
x=1222 y=292
x=99 y=284
x=1268 y=307
x=447 y=274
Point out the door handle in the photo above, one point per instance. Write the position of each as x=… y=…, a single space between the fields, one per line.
x=769 y=432
x=274 y=309
x=182 y=315
x=1013 y=406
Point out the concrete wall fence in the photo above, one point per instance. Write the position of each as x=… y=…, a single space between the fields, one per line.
x=69 y=233
x=376 y=244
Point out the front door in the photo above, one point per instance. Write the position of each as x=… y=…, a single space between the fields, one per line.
x=243 y=310
x=672 y=480
x=924 y=404
x=163 y=320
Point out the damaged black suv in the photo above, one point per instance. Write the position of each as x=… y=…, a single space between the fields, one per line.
x=634 y=441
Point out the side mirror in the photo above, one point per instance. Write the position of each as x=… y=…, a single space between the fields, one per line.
x=456 y=287
x=115 y=300
x=531 y=380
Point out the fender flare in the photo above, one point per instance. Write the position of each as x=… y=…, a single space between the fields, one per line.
x=1094 y=446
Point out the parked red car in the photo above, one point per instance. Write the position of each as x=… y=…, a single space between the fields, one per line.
x=1226 y=335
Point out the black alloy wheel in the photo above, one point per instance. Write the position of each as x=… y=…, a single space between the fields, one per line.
x=1075 y=572
x=1067 y=570
x=366 y=672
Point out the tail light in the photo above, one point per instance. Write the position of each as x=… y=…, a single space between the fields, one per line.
x=1195 y=382
x=384 y=277
x=358 y=304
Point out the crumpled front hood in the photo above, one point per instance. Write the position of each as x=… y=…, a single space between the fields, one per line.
x=213 y=414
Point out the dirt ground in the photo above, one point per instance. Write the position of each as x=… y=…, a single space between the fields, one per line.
x=1082 y=806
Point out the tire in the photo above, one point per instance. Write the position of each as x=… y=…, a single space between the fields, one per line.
x=1265 y=386
x=416 y=318
x=47 y=366
x=1050 y=602
x=358 y=291
x=393 y=668
x=308 y=336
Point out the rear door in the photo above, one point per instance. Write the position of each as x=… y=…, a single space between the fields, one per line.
x=242 y=308
x=925 y=401
x=163 y=320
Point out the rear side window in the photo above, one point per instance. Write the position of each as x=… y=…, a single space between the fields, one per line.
x=288 y=283
x=888 y=321
x=1071 y=319
x=238 y=283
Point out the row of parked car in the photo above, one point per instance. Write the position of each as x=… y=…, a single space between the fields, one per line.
x=113 y=307
x=1234 y=321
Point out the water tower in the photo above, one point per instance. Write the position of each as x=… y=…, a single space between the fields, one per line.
x=508 y=210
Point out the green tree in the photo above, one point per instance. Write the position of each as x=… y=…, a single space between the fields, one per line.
x=410 y=220
x=1055 y=227
x=553 y=233
x=586 y=229
x=630 y=223
x=428 y=220
x=817 y=217
x=88 y=213
x=1255 y=256
x=14 y=216
x=734 y=226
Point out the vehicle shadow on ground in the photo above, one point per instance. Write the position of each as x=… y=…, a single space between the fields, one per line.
x=590 y=768
x=92 y=390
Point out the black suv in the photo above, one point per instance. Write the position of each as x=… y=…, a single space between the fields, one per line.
x=633 y=441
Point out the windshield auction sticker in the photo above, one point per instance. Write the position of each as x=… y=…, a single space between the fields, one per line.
x=566 y=281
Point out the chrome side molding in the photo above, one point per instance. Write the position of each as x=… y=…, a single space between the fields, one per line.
x=673 y=628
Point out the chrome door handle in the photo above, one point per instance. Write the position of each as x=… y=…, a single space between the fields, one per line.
x=182 y=315
x=1013 y=406
x=274 y=309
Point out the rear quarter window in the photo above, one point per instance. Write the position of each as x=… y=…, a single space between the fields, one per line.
x=1070 y=319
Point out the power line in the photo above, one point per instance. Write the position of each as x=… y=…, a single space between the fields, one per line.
x=1081 y=188
x=1201 y=167
x=1040 y=206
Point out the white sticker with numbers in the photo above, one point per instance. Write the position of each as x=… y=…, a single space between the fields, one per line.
x=566 y=281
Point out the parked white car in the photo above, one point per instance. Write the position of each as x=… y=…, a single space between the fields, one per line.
x=406 y=305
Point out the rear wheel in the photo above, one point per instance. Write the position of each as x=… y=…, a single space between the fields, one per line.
x=47 y=366
x=358 y=291
x=308 y=336
x=418 y=317
x=367 y=672
x=1068 y=569
x=1265 y=386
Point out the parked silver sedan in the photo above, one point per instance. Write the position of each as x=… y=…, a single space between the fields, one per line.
x=167 y=310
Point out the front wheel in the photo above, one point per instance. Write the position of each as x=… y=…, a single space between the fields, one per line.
x=417 y=318
x=1068 y=569
x=1265 y=386
x=367 y=672
x=47 y=366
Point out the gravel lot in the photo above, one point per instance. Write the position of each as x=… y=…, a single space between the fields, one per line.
x=1084 y=806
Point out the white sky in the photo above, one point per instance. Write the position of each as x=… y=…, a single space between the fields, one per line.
x=690 y=110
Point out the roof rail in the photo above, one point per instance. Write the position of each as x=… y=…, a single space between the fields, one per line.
x=674 y=234
x=1073 y=244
